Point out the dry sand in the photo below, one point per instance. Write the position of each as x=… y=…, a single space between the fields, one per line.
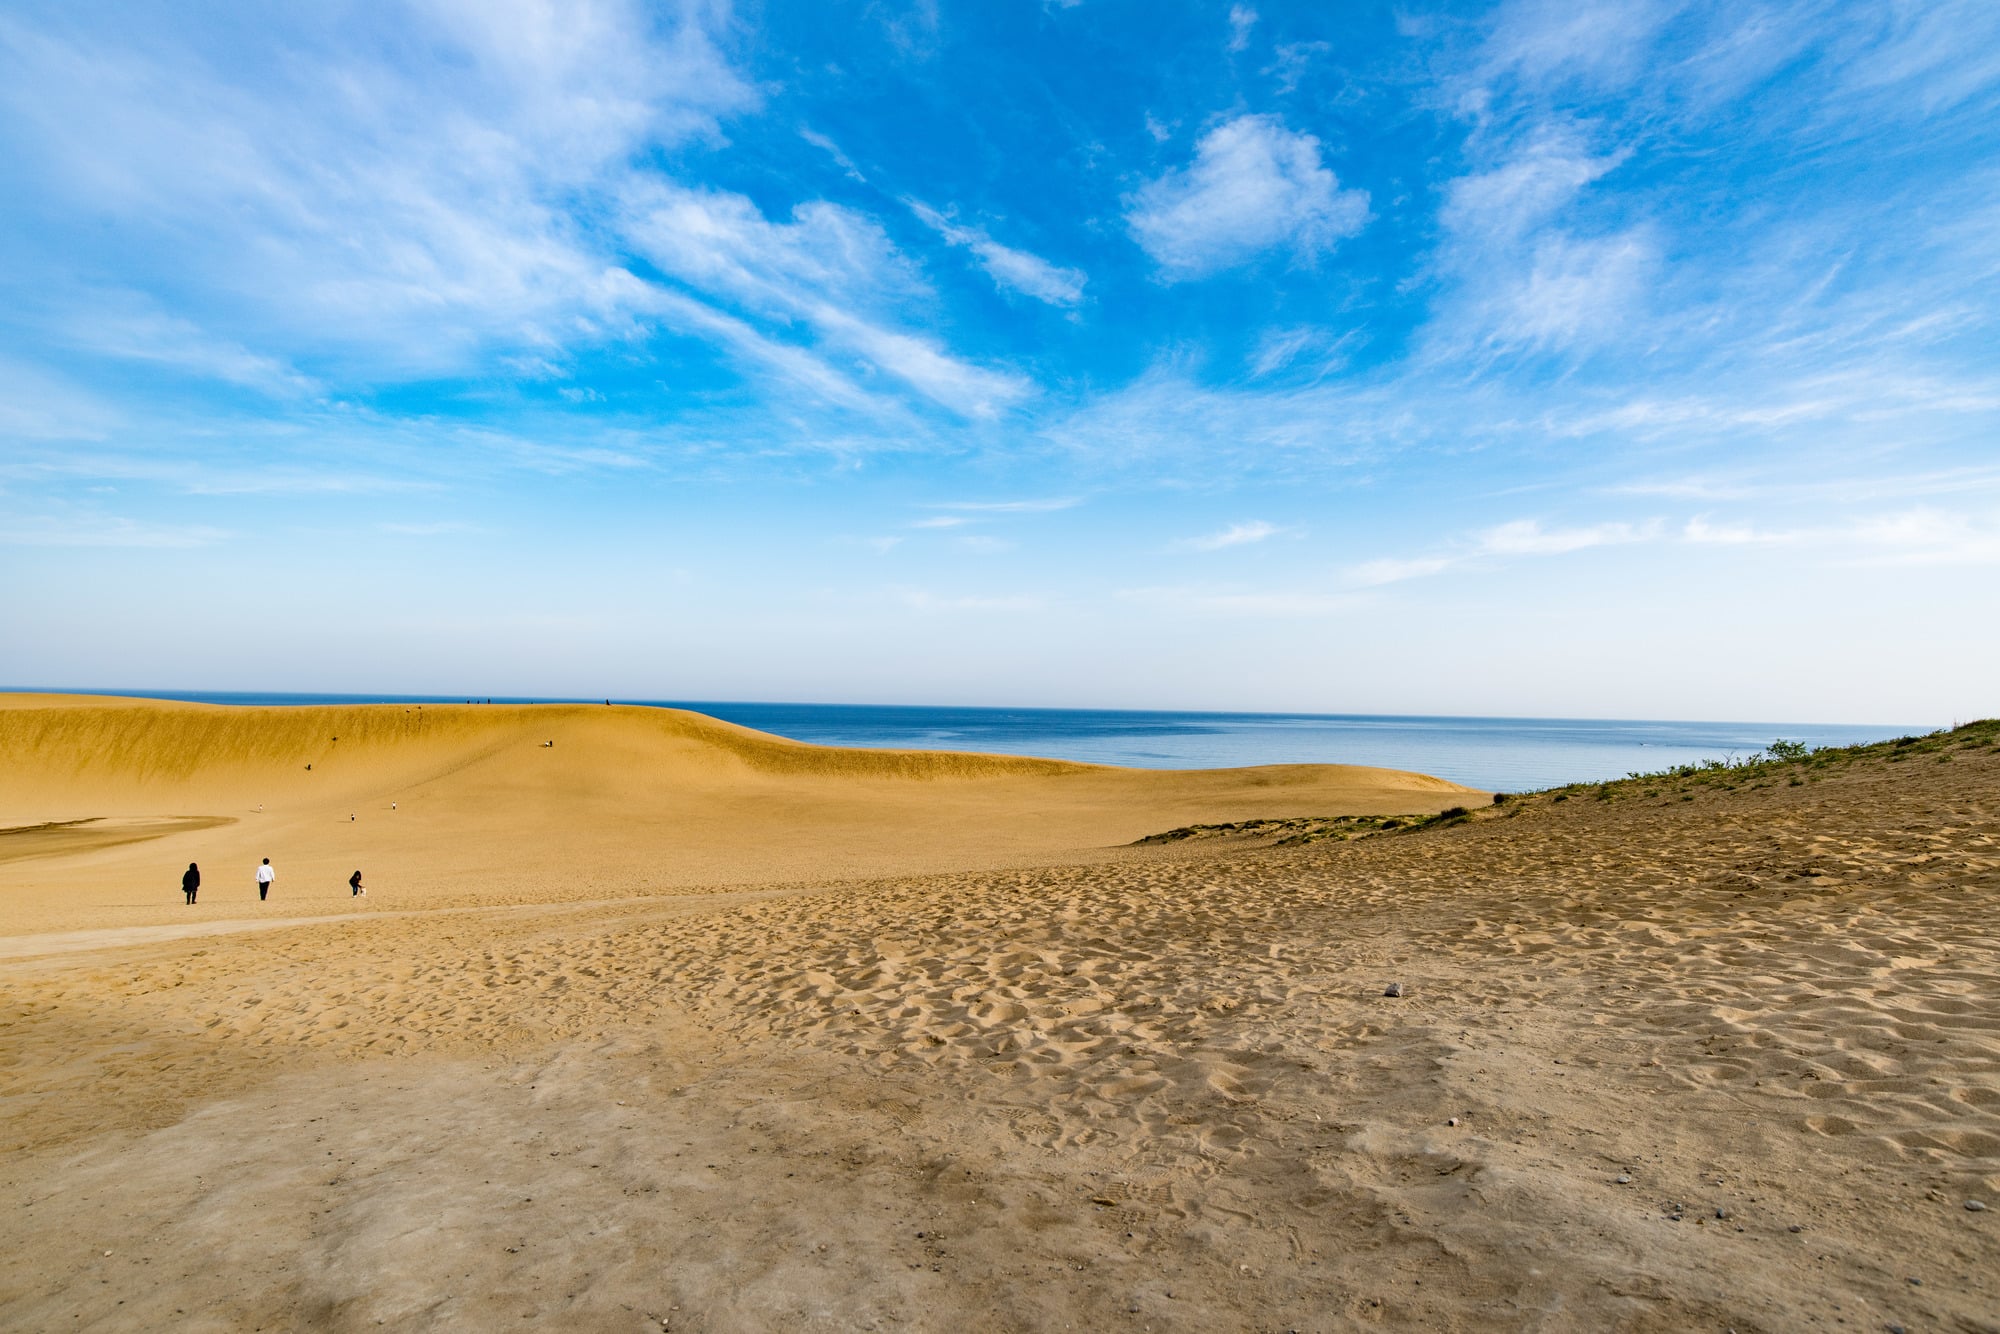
x=1724 y=1062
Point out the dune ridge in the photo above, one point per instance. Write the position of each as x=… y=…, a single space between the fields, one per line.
x=465 y=804
x=86 y=739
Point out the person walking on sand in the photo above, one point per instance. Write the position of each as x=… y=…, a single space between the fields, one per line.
x=265 y=875
x=191 y=881
x=354 y=883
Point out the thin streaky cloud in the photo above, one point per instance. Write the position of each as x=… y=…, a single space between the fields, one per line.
x=1011 y=269
x=1235 y=535
x=104 y=530
x=1046 y=506
x=832 y=150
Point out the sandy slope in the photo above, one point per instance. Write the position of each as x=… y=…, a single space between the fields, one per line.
x=1731 y=1061
x=627 y=800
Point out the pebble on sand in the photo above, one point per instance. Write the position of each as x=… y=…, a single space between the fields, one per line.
x=1393 y=989
x=1977 y=1206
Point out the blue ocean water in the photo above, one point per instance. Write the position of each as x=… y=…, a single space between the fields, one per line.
x=1499 y=754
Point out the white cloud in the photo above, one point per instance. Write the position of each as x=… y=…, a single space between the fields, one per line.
x=1599 y=42
x=1389 y=570
x=409 y=209
x=823 y=266
x=1279 y=349
x=1525 y=191
x=1293 y=60
x=1013 y=270
x=796 y=364
x=1927 y=536
x=1253 y=186
x=103 y=530
x=1043 y=506
x=970 y=391
x=403 y=203
x=1286 y=604
x=1526 y=537
x=1236 y=535
x=38 y=405
x=1521 y=279
x=832 y=150
x=1923 y=535
x=1521 y=537
x=1938 y=55
x=1700 y=531
x=1242 y=19
x=722 y=244
x=942 y=521
x=130 y=327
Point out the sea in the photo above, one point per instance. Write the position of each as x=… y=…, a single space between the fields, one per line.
x=1497 y=754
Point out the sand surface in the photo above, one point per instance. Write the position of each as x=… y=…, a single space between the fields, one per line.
x=1719 y=1057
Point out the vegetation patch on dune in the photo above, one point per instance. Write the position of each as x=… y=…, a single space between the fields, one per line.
x=1788 y=763
x=1308 y=828
x=1791 y=763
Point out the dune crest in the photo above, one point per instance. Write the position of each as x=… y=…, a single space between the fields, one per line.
x=520 y=803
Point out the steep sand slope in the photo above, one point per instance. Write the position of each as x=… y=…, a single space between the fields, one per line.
x=626 y=800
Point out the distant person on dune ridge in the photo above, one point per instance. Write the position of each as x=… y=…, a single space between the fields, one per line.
x=265 y=875
x=191 y=881
x=354 y=883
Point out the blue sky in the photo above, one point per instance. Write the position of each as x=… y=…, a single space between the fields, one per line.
x=1634 y=359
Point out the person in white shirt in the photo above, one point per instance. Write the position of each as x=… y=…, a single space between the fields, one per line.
x=265 y=875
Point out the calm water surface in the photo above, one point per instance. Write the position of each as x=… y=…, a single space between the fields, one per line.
x=1501 y=754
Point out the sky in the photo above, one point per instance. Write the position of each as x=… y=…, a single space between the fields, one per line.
x=1551 y=358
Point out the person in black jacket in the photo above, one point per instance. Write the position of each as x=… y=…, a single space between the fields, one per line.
x=191 y=881
x=354 y=883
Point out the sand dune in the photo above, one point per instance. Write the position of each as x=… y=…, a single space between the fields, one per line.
x=1718 y=1053
x=625 y=800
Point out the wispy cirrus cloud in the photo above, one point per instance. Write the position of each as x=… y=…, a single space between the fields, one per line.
x=371 y=210
x=1235 y=535
x=1271 y=603
x=832 y=150
x=87 y=529
x=822 y=267
x=1527 y=537
x=363 y=200
x=131 y=327
x=1519 y=537
x=1045 y=505
x=1922 y=535
x=1012 y=270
